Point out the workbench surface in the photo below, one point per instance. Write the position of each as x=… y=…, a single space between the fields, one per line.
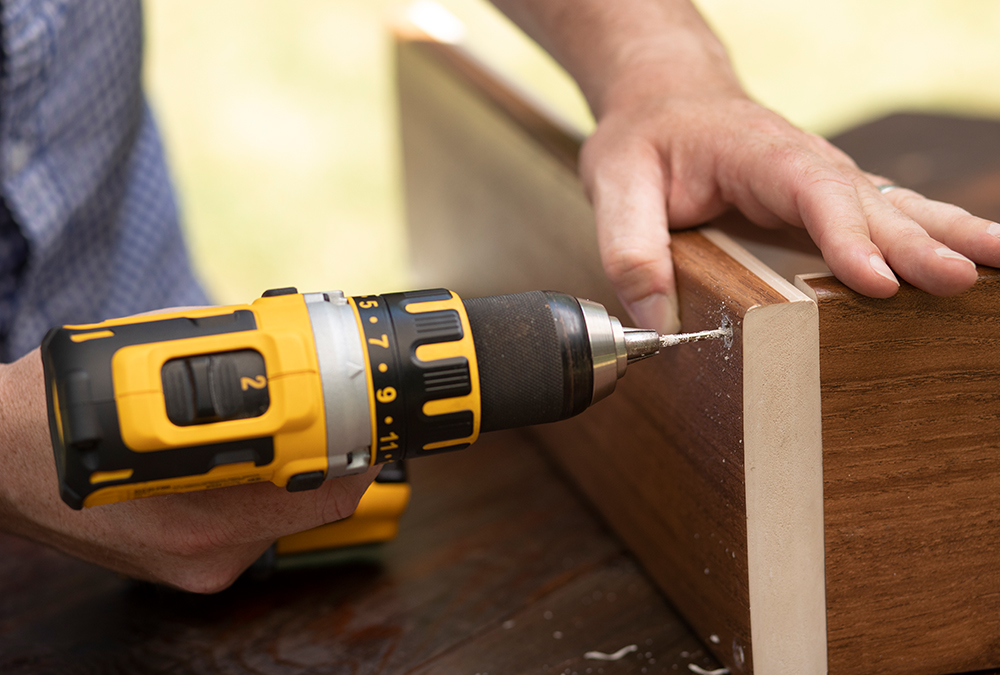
x=499 y=568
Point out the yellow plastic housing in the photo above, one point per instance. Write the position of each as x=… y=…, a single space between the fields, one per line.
x=294 y=419
x=375 y=520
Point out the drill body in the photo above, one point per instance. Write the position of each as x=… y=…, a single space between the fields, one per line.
x=299 y=388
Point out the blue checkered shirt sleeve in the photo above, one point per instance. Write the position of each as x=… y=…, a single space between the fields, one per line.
x=89 y=227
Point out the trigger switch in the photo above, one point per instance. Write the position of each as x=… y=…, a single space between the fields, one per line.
x=301 y=482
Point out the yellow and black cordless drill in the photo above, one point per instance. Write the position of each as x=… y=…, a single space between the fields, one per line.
x=300 y=388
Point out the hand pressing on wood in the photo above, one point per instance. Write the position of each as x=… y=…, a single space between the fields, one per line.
x=198 y=541
x=678 y=142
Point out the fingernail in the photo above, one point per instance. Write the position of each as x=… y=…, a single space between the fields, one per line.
x=881 y=269
x=994 y=229
x=948 y=254
x=658 y=311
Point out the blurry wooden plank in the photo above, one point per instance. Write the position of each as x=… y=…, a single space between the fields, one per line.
x=911 y=429
x=952 y=159
x=441 y=120
x=709 y=469
x=933 y=154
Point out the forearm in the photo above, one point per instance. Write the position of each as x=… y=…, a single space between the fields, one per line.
x=22 y=468
x=199 y=541
x=617 y=50
x=29 y=493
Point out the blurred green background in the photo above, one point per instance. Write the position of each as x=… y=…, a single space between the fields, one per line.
x=279 y=119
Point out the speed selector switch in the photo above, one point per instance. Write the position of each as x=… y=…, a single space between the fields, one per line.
x=215 y=387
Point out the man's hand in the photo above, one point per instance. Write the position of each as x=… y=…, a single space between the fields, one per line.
x=675 y=162
x=198 y=541
x=678 y=142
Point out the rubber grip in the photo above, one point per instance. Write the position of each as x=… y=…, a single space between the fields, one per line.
x=535 y=363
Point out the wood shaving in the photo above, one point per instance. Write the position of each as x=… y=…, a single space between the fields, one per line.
x=601 y=656
x=701 y=671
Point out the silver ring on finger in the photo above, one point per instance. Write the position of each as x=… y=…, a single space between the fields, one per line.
x=886 y=188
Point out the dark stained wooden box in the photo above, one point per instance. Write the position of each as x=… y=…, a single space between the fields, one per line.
x=823 y=495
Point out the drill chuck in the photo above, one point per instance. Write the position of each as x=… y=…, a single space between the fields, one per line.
x=543 y=356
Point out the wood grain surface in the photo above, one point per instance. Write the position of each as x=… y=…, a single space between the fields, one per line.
x=495 y=556
x=911 y=429
x=957 y=160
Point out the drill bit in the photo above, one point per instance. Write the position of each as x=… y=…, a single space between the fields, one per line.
x=681 y=338
x=641 y=343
